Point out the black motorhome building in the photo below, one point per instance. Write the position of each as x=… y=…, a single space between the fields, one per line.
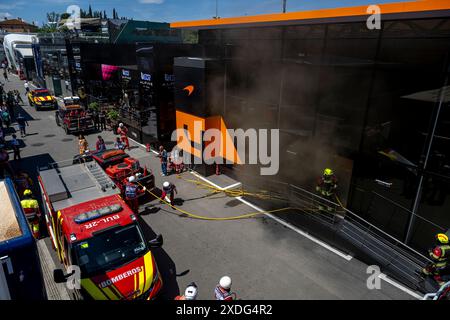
x=373 y=104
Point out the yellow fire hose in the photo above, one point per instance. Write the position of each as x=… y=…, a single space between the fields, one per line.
x=234 y=193
x=191 y=215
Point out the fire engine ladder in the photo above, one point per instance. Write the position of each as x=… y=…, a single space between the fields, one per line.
x=100 y=176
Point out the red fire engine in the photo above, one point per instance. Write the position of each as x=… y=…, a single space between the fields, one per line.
x=92 y=228
x=118 y=165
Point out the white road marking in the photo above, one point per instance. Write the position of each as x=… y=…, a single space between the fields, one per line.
x=232 y=186
x=286 y=224
x=206 y=180
x=297 y=230
x=399 y=286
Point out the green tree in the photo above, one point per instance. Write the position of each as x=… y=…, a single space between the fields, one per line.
x=64 y=16
x=90 y=12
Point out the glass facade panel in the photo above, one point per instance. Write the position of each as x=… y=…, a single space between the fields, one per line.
x=362 y=101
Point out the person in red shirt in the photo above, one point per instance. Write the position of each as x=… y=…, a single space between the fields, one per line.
x=122 y=131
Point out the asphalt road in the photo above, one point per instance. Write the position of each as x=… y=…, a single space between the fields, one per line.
x=266 y=260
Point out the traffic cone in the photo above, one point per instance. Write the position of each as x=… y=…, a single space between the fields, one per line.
x=145 y=171
x=147 y=147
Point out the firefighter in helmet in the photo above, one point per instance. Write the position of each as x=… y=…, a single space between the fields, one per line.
x=31 y=208
x=326 y=188
x=132 y=192
x=440 y=254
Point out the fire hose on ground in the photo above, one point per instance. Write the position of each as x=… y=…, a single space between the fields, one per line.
x=231 y=193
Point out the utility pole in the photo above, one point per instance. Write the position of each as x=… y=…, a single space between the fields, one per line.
x=217 y=10
x=284 y=6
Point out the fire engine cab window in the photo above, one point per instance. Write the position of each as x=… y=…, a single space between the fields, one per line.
x=110 y=249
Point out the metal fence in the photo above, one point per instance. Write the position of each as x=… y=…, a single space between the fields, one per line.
x=330 y=220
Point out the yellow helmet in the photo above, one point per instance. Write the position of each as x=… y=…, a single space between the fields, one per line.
x=442 y=238
x=327 y=172
x=27 y=192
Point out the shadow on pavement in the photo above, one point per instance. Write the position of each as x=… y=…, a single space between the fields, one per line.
x=23 y=112
x=166 y=266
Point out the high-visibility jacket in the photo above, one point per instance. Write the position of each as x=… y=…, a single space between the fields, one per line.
x=440 y=254
x=30 y=207
x=222 y=294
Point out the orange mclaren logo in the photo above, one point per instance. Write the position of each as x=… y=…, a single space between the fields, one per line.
x=189 y=89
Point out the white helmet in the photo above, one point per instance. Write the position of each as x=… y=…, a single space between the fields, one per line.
x=166 y=184
x=191 y=292
x=132 y=179
x=121 y=124
x=225 y=282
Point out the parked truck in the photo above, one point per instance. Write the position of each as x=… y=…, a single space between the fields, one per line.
x=20 y=270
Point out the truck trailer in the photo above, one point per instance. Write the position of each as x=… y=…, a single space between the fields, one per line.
x=20 y=269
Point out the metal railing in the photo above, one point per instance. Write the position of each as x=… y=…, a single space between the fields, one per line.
x=372 y=244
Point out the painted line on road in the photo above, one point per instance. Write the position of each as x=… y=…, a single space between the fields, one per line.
x=399 y=286
x=297 y=230
x=206 y=180
x=232 y=186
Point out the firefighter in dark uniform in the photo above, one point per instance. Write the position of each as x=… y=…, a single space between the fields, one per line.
x=440 y=254
x=132 y=191
x=326 y=188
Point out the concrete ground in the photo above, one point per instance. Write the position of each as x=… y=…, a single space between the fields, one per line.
x=265 y=258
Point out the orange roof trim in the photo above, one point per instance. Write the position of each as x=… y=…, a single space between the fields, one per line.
x=387 y=8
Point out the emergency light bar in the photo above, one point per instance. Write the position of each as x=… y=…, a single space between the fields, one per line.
x=95 y=214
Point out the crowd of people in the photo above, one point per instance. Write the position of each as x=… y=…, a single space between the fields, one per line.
x=10 y=101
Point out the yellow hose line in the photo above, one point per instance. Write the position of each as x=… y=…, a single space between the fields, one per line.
x=244 y=216
x=339 y=201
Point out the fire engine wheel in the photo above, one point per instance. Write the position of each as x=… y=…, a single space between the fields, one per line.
x=66 y=130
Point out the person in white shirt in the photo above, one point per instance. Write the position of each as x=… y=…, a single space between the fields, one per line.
x=27 y=86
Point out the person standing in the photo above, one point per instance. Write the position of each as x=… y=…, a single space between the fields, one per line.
x=31 y=209
x=17 y=98
x=123 y=131
x=4 y=163
x=102 y=120
x=6 y=118
x=5 y=75
x=163 y=157
x=100 y=144
x=96 y=118
x=131 y=194
x=16 y=147
x=66 y=83
x=223 y=289
x=21 y=121
x=82 y=144
x=326 y=188
x=440 y=255
x=27 y=86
